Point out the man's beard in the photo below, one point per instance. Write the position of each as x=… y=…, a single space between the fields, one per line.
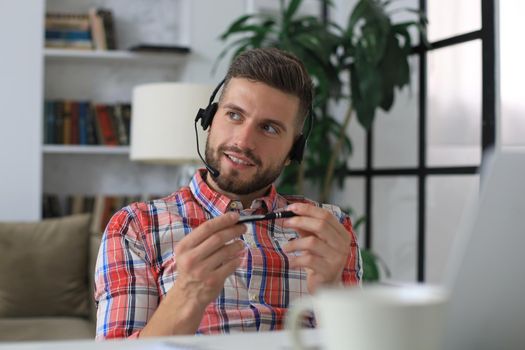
x=231 y=182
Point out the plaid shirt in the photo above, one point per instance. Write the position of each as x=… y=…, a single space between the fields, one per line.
x=136 y=265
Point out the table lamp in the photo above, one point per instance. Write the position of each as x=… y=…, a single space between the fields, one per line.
x=162 y=122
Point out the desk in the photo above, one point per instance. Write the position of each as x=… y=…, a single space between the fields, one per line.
x=253 y=341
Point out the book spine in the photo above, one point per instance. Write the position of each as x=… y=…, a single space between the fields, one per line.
x=92 y=126
x=83 y=109
x=72 y=35
x=109 y=28
x=59 y=122
x=66 y=21
x=74 y=137
x=66 y=115
x=98 y=33
x=108 y=137
x=49 y=125
x=121 y=127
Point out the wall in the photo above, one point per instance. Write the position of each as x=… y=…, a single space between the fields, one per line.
x=20 y=95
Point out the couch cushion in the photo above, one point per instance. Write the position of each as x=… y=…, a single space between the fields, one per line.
x=43 y=268
x=46 y=328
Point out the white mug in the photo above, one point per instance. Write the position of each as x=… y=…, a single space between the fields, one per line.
x=374 y=317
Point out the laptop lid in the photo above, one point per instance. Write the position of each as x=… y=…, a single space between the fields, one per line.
x=486 y=272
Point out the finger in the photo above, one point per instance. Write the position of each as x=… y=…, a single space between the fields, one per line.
x=303 y=209
x=305 y=226
x=314 y=246
x=309 y=261
x=227 y=269
x=217 y=241
x=223 y=255
x=208 y=228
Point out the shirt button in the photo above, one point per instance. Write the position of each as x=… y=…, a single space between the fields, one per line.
x=253 y=298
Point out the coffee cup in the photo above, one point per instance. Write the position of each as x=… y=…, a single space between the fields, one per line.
x=378 y=317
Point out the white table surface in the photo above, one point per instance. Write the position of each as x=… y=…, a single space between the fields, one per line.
x=253 y=341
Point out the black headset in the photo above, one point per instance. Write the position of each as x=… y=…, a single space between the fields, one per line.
x=206 y=117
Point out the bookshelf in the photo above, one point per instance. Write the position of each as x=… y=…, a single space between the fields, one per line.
x=107 y=77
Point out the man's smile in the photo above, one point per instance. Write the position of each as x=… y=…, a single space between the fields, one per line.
x=238 y=159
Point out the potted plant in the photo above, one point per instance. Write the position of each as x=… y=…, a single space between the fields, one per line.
x=362 y=63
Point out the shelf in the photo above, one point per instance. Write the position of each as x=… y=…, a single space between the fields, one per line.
x=80 y=149
x=113 y=56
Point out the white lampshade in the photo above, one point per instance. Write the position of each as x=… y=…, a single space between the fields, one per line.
x=162 y=123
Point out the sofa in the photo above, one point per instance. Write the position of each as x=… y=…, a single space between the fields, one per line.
x=46 y=279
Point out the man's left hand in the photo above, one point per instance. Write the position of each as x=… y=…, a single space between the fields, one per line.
x=324 y=244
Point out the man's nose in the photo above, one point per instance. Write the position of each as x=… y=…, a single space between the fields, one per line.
x=245 y=136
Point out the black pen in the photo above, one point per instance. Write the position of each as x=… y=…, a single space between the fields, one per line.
x=269 y=216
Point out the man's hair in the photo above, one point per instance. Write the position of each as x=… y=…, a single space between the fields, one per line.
x=278 y=69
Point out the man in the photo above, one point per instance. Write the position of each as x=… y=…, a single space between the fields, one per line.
x=183 y=265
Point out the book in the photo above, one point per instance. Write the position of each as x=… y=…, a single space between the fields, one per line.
x=66 y=21
x=74 y=136
x=106 y=132
x=83 y=110
x=126 y=116
x=91 y=126
x=72 y=35
x=59 y=123
x=49 y=124
x=120 y=124
x=69 y=44
x=109 y=27
x=98 y=34
x=66 y=117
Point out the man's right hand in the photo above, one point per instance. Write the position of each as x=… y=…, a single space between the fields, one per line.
x=205 y=258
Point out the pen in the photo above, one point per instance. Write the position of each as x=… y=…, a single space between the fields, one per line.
x=269 y=216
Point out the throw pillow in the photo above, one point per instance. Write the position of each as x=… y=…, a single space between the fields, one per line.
x=44 y=267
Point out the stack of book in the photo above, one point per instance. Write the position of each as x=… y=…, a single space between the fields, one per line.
x=69 y=122
x=94 y=30
x=101 y=207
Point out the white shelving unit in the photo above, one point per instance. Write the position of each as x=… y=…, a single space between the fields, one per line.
x=108 y=77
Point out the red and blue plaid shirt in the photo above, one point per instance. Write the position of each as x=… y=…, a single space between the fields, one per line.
x=136 y=265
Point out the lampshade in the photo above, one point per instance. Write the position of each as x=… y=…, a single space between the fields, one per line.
x=162 y=123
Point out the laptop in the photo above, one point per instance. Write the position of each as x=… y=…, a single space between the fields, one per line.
x=486 y=272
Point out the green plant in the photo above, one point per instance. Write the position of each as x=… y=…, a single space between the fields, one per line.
x=362 y=63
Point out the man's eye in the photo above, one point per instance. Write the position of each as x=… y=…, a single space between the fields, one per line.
x=270 y=129
x=234 y=116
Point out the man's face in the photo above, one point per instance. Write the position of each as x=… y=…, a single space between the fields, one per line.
x=251 y=136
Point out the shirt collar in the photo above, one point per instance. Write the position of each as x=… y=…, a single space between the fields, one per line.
x=217 y=203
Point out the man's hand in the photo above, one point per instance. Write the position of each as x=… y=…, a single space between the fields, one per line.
x=324 y=244
x=204 y=258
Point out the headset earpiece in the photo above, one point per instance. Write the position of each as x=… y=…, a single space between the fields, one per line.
x=206 y=115
x=297 y=151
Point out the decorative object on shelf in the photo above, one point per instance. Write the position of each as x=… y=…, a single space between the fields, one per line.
x=159 y=48
x=162 y=128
